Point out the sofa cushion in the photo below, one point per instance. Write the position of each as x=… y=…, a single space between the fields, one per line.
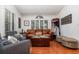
x=20 y=37
x=45 y=32
x=6 y=43
x=38 y=33
x=12 y=39
x=47 y=35
x=31 y=31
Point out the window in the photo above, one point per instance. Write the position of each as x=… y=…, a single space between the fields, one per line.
x=39 y=24
x=12 y=21
x=32 y=24
x=45 y=24
x=7 y=21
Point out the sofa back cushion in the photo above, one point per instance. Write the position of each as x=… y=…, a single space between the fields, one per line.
x=38 y=33
x=31 y=31
x=12 y=39
x=46 y=31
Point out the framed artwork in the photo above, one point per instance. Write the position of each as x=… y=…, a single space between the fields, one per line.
x=19 y=22
x=66 y=20
x=26 y=23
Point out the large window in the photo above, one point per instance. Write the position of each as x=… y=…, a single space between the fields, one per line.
x=32 y=24
x=9 y=21
x=12 y=21
x=39 y=24
x=45 y=24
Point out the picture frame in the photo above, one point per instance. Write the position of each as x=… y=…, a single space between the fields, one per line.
x=26 y=23
x=19 y=22
x=66 y=20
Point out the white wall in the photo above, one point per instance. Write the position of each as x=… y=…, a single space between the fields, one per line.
x=70 y=30
x=66 y=29
x=32 y=17
x=12 y=9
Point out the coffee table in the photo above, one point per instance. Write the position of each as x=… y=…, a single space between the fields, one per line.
x=40 y=41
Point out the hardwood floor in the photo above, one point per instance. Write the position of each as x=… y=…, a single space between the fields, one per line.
x=55 y=48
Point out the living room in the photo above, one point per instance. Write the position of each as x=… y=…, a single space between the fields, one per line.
x=43 y=25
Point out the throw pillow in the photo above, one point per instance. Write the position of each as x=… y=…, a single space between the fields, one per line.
x=38 y=33
x=12 y=39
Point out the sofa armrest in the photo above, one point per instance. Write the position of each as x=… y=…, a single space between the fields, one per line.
x=25 y=45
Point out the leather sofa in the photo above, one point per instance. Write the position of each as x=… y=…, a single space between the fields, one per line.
x=31 y=32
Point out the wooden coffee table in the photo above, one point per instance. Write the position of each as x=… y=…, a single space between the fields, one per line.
x=40 y=41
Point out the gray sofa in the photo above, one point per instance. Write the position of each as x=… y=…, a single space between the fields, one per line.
x=18 y=48
x=22 y=47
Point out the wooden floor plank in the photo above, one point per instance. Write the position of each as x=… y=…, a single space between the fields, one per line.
x=55 y=48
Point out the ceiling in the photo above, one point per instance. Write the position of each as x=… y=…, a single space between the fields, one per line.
x=39 y=9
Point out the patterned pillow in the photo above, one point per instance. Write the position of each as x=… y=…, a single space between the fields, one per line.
x=12 y=39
